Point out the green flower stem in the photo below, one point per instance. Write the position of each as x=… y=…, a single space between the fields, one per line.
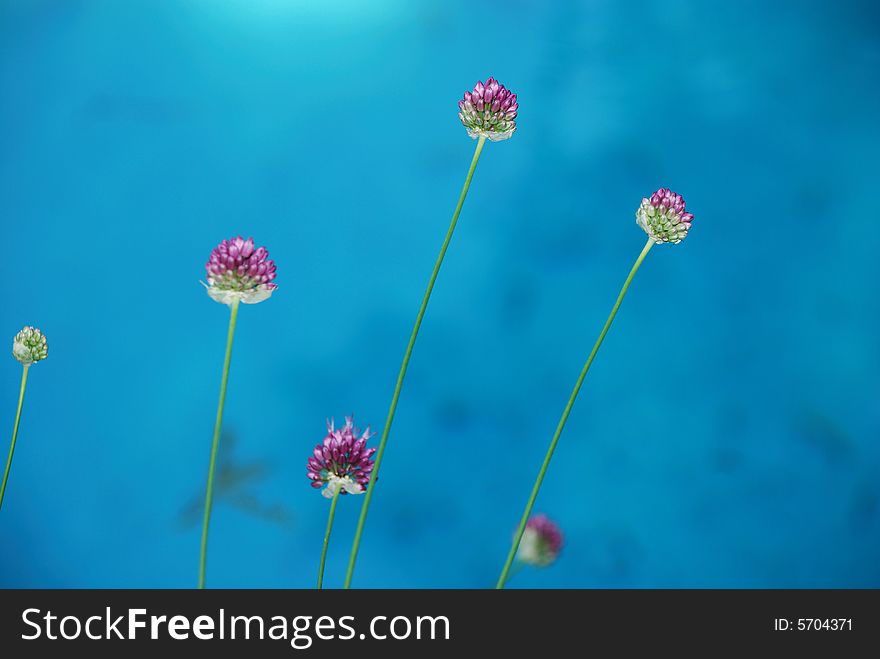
x=502 y=580
x=327 y=535
x=218 y=424
x=24 y=374
x=365 y=507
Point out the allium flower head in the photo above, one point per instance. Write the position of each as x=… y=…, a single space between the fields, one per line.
x=663 y=217
x=489 y=111
x=30 y=346
x=238 y=270
x=541 y=542
x=342 y=460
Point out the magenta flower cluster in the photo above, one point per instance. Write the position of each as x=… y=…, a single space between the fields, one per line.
x=541 y=542
x=671 y=200
x=342 y=460
x=663 y=216
x=239 y=269
x=489 y=111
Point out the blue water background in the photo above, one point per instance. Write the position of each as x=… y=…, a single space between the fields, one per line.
x=728 y=432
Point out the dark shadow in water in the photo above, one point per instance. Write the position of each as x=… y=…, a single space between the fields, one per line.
x=864 y=511
x=233 y=485
x=824 y=435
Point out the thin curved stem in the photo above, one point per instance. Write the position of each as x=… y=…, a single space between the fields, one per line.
x=505 y=572
x=24 y=375
x=327 y=536
x=218 y=424
x=365 y=507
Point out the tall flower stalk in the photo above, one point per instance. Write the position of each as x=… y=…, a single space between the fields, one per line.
x=663 y=217
x=487 y=112
x=341 y=464
x=28 y=347
x=237 y=272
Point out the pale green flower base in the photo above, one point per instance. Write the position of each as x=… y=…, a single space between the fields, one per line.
x=250 y=296
x=346 y=483
x=491 y=135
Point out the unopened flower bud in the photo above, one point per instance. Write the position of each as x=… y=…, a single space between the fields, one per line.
x=237 y=270
x=663 y=217
x=30 y=346
x=541 y=542
x=489 y=111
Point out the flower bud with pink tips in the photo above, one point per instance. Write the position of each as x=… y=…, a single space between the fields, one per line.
x=342 y=460
x=663 y=217
x=489 y=111
x=239 y=270
x=541 y=542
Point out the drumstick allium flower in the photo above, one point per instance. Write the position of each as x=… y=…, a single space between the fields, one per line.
x=541 y=542
x=341 y=464
x=488 y=112
x=237 y=272
x=28 y=347
x=664 y=218
x=342 y=460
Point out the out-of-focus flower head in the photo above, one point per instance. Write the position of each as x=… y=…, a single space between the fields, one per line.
x=342 y=460
x=237 y=270
x=489 y=111
x=541 y=542
x=663 y=217
x=30 y=346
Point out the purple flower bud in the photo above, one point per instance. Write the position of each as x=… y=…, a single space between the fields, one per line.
x=489 y=111
x=541 y=542
x=341 y=460
x=663 y=217
x=236 y=270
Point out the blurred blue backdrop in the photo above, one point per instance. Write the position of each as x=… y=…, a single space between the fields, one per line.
x=728 y=432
